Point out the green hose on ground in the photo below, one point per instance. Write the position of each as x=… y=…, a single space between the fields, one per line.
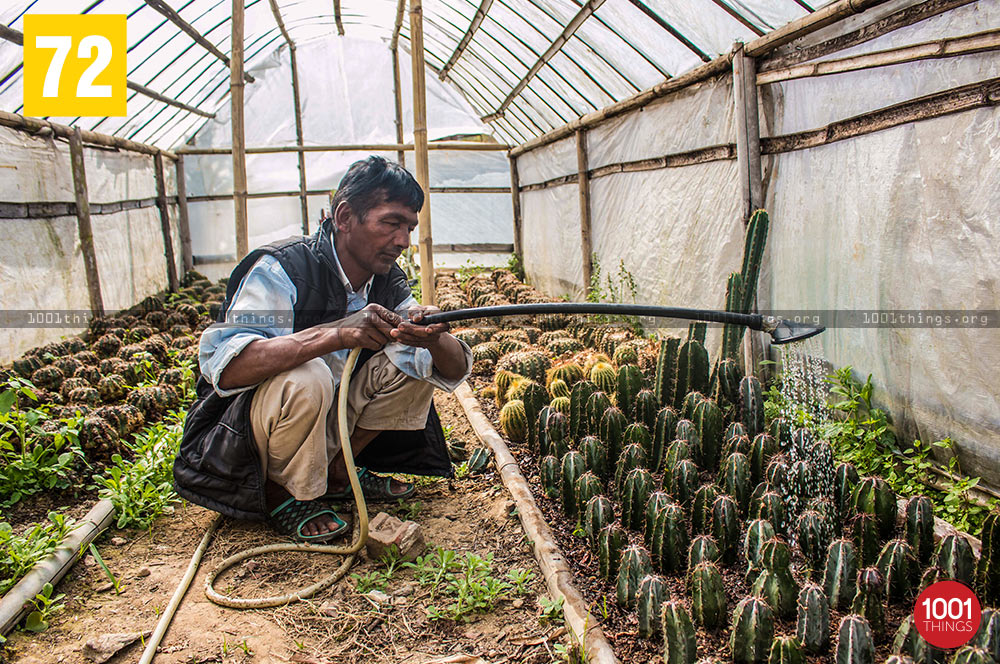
x=360 y=536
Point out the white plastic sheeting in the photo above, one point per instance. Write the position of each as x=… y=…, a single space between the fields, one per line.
x=342 y=104
x=41 y=264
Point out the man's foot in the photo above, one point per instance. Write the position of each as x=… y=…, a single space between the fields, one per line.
x=324 y=523
x=376 y=488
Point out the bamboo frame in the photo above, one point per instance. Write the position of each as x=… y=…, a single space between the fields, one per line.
x=53 y=209
x=583 y=181
x=397 y=102
x=473 y=248
x=515 y=192
x=582 y=15
x=322 y=192
x=477 y=20
x=168 y=241
x=747 y=133
x=465 y=146
x=239 y=138
x=338 y=17
x=747 y=23
x=168 y=12
x=38 y=126
x=932 y=50
x=426 y=241
x=183 y=223
x=671 y=30
x=84 y=227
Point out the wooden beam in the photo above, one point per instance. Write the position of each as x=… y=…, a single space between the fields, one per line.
x=183 y=221
x=585 y=12
x=168 y=12
x=747 y=133
x=398 y=25
x=583 y=181
x=397 y=100
x=833 y=12
x=239 y=137
x=51 y=209
x=515 y=194
x=932 y=50
x=674 y=32
x=461 y=146
x=426 y=242
x=747 y=23
x=901 y=19
x=83 y=225
x=297 y=109
x=477 y=20
x=45 y=128
x=325 y=192
x=168 y=241
x=338 y=18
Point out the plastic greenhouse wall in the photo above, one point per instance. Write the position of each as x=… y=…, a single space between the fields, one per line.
x=904 y=218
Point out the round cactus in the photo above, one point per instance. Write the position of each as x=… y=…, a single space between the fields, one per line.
x=604 y=377
x=514 y=421
x=559 y=389
x=562 y=405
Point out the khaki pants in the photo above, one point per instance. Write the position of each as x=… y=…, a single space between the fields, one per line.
x=294 y=418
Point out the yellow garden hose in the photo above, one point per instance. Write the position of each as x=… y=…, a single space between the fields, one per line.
x=360 y=536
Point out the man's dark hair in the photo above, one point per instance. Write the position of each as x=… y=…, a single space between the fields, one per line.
x=376 y=180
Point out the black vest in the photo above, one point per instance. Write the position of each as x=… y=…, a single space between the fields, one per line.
x=218 y=466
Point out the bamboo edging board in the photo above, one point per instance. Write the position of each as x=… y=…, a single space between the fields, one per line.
x=558 y=576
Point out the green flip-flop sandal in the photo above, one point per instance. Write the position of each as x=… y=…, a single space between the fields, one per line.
x=291 y=516
x=376 y=488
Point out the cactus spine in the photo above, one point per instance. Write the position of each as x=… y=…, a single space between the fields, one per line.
x=708 y=595
x=598 y=514
x=635 y=492
x=812 y=625
x=855 y=644
x=513 y=421
x=649 y=601
x=752 y=631
x=669 y=540
x=679 y=645
x=840 y=573
x=919 y=527
x=775 y=584
x=635 y=564
x=610 y=541
x=579 y=424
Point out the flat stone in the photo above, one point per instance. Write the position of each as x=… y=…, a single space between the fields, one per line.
x=378 y=596
x=106 y=646
x=119 y=541
x=385 y=531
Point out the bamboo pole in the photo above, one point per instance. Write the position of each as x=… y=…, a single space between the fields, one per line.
x=45 y=128
x=458 y=146
x=477 y=20
x=747 y=132
x=296 y=101
x=183 y=222
x=515 y=194
x=84 y=228
x=397 y=100
x=320 y=192
x=426 y=242
x=168 y=241
x=932 y=50
x=583 y=181
x=239 y=137
x=168 y=12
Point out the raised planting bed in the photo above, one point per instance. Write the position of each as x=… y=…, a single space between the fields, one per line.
x=696 y=528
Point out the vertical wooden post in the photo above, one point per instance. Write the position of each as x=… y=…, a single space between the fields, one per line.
x=583 y=179
x=239 y=137
x=303 y=200
x=183 y=224
x=83 y=226
x=515 y=196
x=398 y=100
x=161 y=203
x=426 y=241
x=749 y=169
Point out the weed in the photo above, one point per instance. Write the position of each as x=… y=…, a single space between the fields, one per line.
x=46 y=606
x=19 y=553
x=520 y=578
x=462 y=470
x=115 y=582
x=551 y=611
x=408 y=511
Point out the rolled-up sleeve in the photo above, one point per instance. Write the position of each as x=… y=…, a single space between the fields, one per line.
x=262 y=308
x=418 y=363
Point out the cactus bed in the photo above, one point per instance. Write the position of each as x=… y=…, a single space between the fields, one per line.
x=697 y=530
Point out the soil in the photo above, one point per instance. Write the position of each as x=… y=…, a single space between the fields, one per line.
x=473 y=514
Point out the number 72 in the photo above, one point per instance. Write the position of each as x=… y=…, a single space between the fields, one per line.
x=62 y=45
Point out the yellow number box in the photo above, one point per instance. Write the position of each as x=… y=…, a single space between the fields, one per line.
x=75 y=65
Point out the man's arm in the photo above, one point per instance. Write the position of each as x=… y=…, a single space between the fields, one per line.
x=447 y=352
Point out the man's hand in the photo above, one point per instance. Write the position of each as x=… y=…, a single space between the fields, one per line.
x=370 y=327
x=421 y=336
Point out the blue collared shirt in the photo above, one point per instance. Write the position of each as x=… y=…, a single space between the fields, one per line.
x=267 y=288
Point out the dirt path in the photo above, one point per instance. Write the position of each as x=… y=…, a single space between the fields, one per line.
x=471 y=515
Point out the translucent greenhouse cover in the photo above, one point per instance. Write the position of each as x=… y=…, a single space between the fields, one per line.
x=622 y=47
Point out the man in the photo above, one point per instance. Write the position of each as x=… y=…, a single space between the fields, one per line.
x=261 y=441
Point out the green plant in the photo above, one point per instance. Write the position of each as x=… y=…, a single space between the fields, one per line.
x=679 y=645
x=812 y=625
x=115 y=581
x=752 y=631
x=649 y=600
x=46 y=606
x=635 y=565
x=520 y=579
x=551 y=610
x=708 y=595
x=373 y=580
x=855 y=644
x=19 y=553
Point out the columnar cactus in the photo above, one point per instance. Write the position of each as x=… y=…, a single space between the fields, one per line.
x=762 y=449
x=701 y=508
x=538 y=441
x=781 y=430
x=822 y=469
x=732 y=335
x=628 y=384
x=669 y=541
x=919 y=527
x=513 y=421
x=610 y=541
x=898 y=566
x=635 y=492
x=729 y=376
x=598 y=514
x=595 y=456
x=666 y=370
x=638 y=434
x=703 y=549
x=692 y=370
x=631 y=457
x=656 y=502
x=733 y=431
x=588 y=485
x=874 y=496
x=972 y=655
x=612 y=430
x=864 y=532
x=684 y=482
x=549 y=473
x=707 y=417
x=597 y=404
x=726 y=527
x=907 y=641
x=739 y=444
x=752 y=631
x=691 y=401
x=571 y=469
x=753 y=253
x=534 y=398
x=579 y=424
x=759 y=531
x=988 y=572
x=635 y=564
x=775 y=584
x=679 y=645
x=812 y=538
x=734 y=478
x=708 y=595
x=771 y=507
x=676 y=452
x=802 y=439
x=844 y=483
x=556 y=439
x=955 y=557
x=751 y=407
x=988 y=636
x=786 y=650
x=649 y=600
x=645 y=408
x=663 y=429
x=869 y=598
x=812 y=625
x=855 y=644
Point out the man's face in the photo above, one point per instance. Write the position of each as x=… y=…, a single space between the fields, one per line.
x=378 y=242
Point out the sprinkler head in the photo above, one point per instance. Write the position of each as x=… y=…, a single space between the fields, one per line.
x=785 y=331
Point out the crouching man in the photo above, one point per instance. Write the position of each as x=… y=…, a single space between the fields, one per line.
x=260 y=442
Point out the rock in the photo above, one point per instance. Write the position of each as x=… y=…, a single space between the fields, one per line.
x=105 y=646
x=329 y=609
x=142 y=573
x=378 y=596
x=119 y=541
x=386 y=530
x=517 y=603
